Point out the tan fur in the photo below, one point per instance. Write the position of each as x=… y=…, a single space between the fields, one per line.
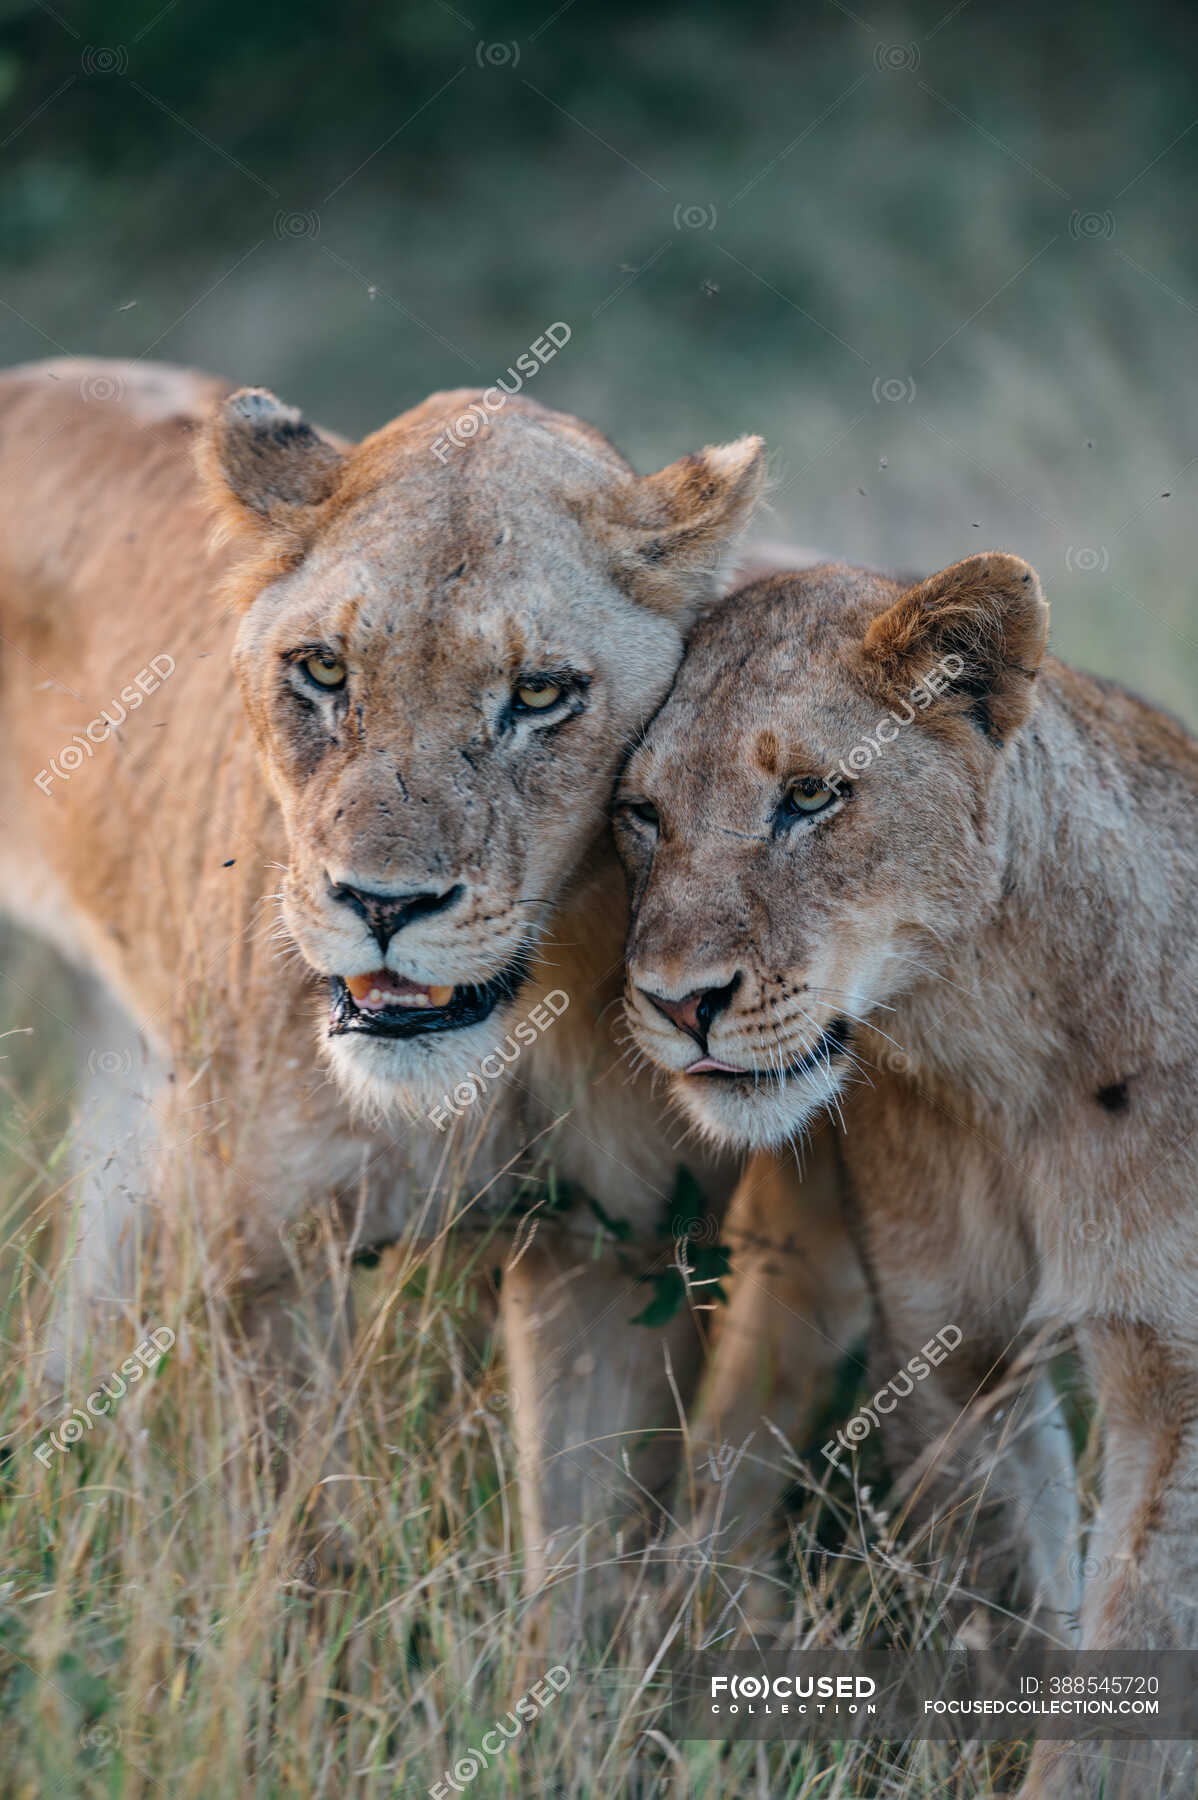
x=162 y=859
x=999 y=905
x=798 y=1310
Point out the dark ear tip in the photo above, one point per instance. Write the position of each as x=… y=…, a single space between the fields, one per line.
x=259 y=409
x=268 y=456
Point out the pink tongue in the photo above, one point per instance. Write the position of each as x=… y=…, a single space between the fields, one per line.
x=709 y=1065
x=373 y=992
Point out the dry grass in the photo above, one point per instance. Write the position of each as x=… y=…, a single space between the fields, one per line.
x=168 y=1623
x=897 y=293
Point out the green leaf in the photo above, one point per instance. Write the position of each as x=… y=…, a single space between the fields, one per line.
x=688 y=1205
x=669 y=1293
x=708 y=1264
x=619 y=1228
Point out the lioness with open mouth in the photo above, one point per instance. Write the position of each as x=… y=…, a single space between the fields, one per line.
x=437 y=664
x=887 y=857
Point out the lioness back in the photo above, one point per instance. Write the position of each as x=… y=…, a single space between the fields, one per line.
x=106 y=600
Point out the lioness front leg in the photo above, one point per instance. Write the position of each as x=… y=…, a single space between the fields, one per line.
x=971 y=1424
x=797 y=1306
x=595 y=1407
x=1142 y=1561
x=1144 y=1552
x=986 y=1488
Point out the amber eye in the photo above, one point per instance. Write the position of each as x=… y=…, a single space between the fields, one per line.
x=538 y=696
x=807 y=796
x=326 y=673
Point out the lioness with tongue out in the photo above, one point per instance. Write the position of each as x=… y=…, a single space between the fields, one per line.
x=442 y=659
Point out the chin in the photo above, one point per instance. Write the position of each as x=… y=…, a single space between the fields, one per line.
x=763 y=1114
x=387 y=1080
x=410 y=1052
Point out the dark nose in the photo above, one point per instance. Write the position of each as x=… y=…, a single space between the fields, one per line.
x=385 y=914
x=696 y=1011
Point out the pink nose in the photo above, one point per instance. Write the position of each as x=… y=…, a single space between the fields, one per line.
x=694 y=1012
x=684 y=1013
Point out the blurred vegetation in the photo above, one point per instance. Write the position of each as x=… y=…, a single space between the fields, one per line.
x=942 y=256
x=982 y=210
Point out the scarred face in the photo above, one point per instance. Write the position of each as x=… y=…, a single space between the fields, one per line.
x=808 y=820
x=443 y=660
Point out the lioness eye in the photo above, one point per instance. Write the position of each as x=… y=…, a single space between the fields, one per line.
x=326 y=673
x=807 y=796
x=644 y=810
x=538 y=696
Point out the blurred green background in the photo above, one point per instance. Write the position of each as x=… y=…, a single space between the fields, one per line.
x=942 y=257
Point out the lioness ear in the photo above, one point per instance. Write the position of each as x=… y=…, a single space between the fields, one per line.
x=262 y=461
x=674 y=529
x=975 y=634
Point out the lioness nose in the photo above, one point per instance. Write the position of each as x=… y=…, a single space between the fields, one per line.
x=385 y=914
x=695 y=1012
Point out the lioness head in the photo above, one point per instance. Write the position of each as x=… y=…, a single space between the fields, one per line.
x=810 y=817
x=443 y=654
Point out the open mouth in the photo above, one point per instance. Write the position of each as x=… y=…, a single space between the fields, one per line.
x=833 y=1042
x=381 y=1004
